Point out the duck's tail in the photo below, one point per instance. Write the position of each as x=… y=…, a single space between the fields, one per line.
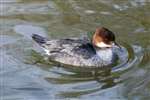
x=39 y=39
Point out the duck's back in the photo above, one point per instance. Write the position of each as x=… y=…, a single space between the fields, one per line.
x=73 y=51
x=70 y=51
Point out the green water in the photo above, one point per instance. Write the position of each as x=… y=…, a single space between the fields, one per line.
x=26 y=75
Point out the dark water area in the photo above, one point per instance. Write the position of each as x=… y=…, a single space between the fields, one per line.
x=26 y=75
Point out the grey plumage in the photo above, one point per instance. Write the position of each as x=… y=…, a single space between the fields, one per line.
x=73 y=51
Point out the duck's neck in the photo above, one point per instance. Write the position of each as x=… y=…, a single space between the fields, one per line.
x=105 y=54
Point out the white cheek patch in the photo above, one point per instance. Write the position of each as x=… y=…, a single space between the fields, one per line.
x=103 y=45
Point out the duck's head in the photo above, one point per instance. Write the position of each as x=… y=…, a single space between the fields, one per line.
x=104 y=38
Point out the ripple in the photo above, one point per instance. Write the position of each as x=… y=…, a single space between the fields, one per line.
x=133 y=55
x=89 y=11
x=74 y=82
x=4 y=40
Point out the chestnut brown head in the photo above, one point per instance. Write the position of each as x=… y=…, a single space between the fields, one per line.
x=103 y=38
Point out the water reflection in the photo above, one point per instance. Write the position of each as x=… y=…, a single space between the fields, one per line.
x=78 y=82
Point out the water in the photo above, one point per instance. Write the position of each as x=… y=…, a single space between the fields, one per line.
x=26 y=75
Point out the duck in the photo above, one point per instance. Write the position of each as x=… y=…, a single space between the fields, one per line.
x=96 y=52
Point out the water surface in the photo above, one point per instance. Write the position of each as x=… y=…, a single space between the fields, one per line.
x=25 y=74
